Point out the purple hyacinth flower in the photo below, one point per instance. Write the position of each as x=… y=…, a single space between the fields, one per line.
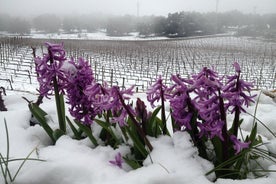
x=210 y=111
x=237 y=92
x=155 y=92
x=98 y=95
x=215 y=129
x=49 y=67
x=114 y=97
x=237 y=67
x=56 y=51
x=206 y=84
x=211 y=129
x=180 y=110
x=105 y=99
x=181 y=103
x=238 y=145
x=121 y=119
x=79 y=76
x=117 y=107
x=118 y=160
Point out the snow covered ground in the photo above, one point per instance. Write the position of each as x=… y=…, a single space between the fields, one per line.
x=100 y=35
x=173 y=160
x=126 y=63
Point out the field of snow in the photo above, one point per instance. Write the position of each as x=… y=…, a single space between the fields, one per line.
x=100 y=35
x=174 y=159
x=126 y=63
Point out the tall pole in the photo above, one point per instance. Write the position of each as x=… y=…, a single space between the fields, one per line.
x=217 y=3
x=138 y=8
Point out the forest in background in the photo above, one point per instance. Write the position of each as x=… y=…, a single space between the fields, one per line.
x=179 y=24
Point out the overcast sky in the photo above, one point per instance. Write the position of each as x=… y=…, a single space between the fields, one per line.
x=121 y=7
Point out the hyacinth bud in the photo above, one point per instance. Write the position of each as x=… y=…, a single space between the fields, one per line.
x=2 y=105
x=141 y=110
x=237 y=67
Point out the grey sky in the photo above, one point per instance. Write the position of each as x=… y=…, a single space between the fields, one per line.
x=147 y=7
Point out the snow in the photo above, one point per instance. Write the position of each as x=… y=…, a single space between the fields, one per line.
x=126 y=63
x=173 y=159
x=100 y=35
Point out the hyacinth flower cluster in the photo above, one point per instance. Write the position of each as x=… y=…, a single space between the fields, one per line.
x=49 y=69
x=159 y=92
x=87 y=99
x=52 y=80
x=79 y=76
x=199 y=105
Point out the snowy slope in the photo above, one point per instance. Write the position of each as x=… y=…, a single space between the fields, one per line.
x=173 y=160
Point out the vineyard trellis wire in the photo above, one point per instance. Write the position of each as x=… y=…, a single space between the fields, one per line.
x=139 y=63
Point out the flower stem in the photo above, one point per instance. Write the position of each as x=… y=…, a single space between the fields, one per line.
x=237 y=110
x=163 y=115
x=136 y=124
x=61 y=121
x=225 y=144
x=236 y=121
x=194 y=131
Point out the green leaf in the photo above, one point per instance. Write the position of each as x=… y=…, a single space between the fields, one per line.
x=154 y=114
x=103 y=124
x=263 y=124
x=6 y=163
x=154 y=125
x=24 y=161
x=77 y=133
x=108 y=139
x=40 y=111
x=231 y=130
x=226 y=165
x=175 y=126
x=57 y=134
x=137 y=142
x=223 y=164
x=5 y=168
x=59 y=105
x=39 y=114
x=239 y=164
x=107 y=127
x=124 y=133
x=132 y=163
x=253 y=134
x=88 y=132
x=218 y=149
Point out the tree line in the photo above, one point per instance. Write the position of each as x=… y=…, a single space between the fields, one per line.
x=14 y=24
x=177 y=24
